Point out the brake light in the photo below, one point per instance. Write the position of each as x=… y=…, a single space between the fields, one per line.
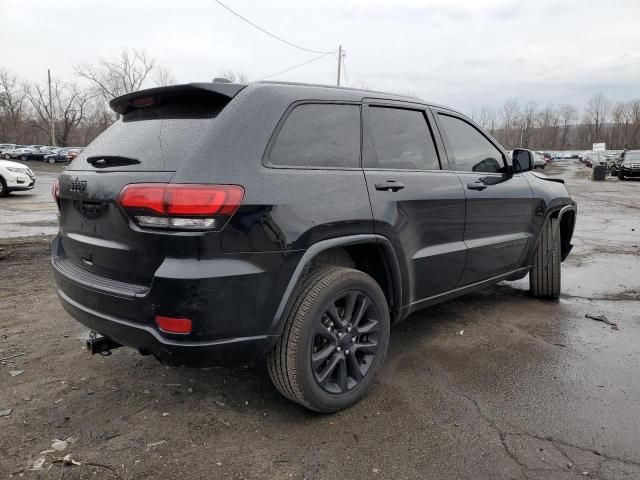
x=181 y=206
x=174 y=325
x=55 y=191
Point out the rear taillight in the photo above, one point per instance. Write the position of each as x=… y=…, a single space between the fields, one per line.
x=55 y=191
x=181 y=206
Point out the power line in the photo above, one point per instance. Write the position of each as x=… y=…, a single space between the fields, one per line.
x=265 y=31
x=297 y=66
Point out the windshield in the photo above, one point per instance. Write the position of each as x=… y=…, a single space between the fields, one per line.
x=632 y=156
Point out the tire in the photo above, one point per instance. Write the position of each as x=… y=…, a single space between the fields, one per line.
x=52 y=160
x=319 y=325
x=7 y=157
x=3 y=188
x=544 y=278
x=620 y=176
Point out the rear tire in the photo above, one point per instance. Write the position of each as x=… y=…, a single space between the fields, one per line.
x=328 y=355
x=544 y=278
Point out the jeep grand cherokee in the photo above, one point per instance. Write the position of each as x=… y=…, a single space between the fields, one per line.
x=221 y=223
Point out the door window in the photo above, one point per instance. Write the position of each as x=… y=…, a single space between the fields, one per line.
x=402 y=140
x=468 y=149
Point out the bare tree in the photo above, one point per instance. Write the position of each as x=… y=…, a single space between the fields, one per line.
x=568 y=116
x=510 y=114
x=234 y=77
x=13 y=96
x=68 y=107
x=116 y=76
x=596 y=115
x=527 y=121
x=163 y=76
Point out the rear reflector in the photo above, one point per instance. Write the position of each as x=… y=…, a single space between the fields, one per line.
x=174 y=325
x=181 y=206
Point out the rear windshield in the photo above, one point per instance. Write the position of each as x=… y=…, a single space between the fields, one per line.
x=156 y=138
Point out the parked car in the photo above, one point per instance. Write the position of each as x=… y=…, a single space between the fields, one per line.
x=219 y=223
x=23 y=153
x=73 y=152
x=630 y=165
x=15 y=177
x=59 y=155
x=39 y=153
x=538 y=160
x=6 y=146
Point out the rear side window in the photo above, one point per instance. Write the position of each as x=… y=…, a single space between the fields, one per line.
x=467 y=148
x=402 y=140
x=319 y=135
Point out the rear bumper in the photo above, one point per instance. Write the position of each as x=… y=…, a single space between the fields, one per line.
x=231 y=301
x=228 y=351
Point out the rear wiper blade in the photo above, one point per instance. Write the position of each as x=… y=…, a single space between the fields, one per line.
x=112 y=161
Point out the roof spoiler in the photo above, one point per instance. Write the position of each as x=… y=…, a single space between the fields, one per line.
x=152 y=96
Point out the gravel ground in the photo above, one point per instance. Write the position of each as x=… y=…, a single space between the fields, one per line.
x=532 y=389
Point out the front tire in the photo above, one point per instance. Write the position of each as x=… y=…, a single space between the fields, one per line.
x=544 y=278
x=52 y=160
x=334 y=341
x=3 y=188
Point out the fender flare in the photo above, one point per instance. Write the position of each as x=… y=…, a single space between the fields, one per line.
x=314 y=250
x=561 y=211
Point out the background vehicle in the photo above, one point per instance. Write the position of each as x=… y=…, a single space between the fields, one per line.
x=21 y=152
x=226 y=223
x=538 y=160
x=15 y=177
x=629 y=165
x=59 y=155
x=73 y=152
x=6 y=146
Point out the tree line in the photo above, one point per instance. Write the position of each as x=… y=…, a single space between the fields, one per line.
x=80 y=111
x=564 y=127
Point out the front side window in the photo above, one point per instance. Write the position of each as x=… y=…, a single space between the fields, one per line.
x=319 y=135
x=467 y=148
x=402 y=139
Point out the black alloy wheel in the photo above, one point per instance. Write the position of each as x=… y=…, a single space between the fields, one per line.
x=345 y=342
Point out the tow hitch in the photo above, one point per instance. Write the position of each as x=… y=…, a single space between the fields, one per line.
x=97 y=343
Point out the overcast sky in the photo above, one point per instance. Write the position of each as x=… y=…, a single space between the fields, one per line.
x=463 y=53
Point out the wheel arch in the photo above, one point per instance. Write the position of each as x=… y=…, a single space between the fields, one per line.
x=566 y=216
x=346 y=251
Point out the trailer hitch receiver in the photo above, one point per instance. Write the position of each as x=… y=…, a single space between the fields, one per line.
x=97 y=343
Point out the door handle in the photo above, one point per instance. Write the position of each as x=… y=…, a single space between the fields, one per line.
x=476 y=186
x=390 y=185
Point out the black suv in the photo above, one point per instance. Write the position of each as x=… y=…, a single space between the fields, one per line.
x=224 y=223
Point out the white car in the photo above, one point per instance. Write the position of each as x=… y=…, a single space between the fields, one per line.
x=538 y=161
x=15 y=177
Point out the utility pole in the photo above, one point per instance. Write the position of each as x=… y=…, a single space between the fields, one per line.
x=51 y=124
x=339 y=62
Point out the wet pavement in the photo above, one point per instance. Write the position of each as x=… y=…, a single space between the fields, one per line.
x=531 y=389
x=32 y=212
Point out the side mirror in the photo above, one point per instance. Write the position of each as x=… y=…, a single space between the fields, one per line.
x=522 y=160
